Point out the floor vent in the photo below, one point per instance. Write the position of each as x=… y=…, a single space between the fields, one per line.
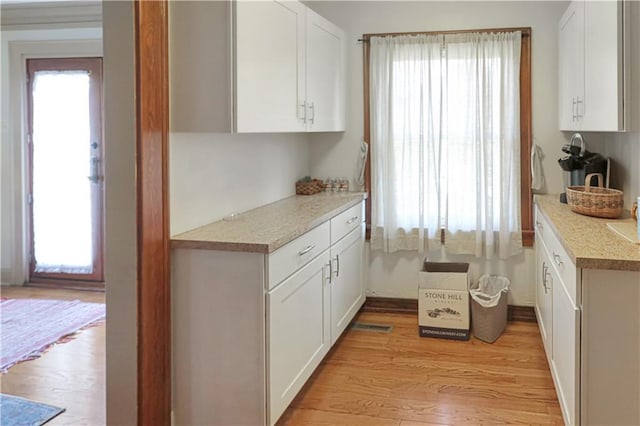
x=379 y=328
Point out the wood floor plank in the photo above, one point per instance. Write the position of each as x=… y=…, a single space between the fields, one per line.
x=71 y=375
x=421 y=381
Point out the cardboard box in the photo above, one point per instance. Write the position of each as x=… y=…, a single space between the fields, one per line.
x=443 y=300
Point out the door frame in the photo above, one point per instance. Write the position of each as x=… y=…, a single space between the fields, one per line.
x=153 y=283
x=94 y=280
x=19 y=51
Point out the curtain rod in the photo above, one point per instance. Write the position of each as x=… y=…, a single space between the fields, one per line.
x=526 y=32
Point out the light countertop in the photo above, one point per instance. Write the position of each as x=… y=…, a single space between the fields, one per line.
x=267 y=228
x=588 y=240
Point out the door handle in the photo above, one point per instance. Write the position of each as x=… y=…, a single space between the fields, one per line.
x=337 y=265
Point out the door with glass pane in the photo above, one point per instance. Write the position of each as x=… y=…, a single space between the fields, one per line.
x=65 y=180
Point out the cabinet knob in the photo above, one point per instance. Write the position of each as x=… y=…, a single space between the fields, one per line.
x=353 y=219
x=557 y=259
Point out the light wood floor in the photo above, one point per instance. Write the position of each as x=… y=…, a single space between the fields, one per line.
x=401 y=379
x=69 y=375
x=367 y=379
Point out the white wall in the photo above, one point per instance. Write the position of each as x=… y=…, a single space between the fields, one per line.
x=16 y=46
x=120 y=213
x=335 y=155
x=213 y=175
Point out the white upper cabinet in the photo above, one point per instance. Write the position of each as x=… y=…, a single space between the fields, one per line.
x=270 y=66
x=592 y=44
x=255 y=67
x=325 y=66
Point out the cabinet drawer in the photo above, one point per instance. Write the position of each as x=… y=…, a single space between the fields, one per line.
x=346 y=221
x=558 y=256
x=292 y=256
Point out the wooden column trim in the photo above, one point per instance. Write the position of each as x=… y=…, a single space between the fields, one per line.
x=154 y=302
x=526 y=141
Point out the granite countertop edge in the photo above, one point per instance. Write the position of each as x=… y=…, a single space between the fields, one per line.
x=278 y=236
x=582 y=255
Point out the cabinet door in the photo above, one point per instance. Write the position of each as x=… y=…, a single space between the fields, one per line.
x=544 y=297
x=347 y=290
x=603 y=66
x=571 y=60
x=270 y=65
x=299 y=332
x=325 y=75
x=566 y=347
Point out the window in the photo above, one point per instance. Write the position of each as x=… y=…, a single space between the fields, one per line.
x=441 y=114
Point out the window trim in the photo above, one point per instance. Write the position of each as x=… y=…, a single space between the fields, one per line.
x=526 y=193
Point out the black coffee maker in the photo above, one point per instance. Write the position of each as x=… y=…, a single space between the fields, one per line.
x=580 y=163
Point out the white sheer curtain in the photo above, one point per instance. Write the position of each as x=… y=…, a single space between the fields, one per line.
x=61 y=191
x=445 y=136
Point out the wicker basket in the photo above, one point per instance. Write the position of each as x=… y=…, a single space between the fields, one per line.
x=595 y=201
x=309 y=188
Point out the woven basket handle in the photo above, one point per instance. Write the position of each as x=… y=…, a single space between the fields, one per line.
x=587 y=181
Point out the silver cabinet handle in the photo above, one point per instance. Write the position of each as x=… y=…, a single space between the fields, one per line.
x=353 y=219
x=306 y=250
x=95 y=175
x=557 y=259
x=539 y=225
x=545 y=273
x=337 y=265
x=574 y=109
x=313 y=112
x=303 y=117
x=328 y=278
x=578 y=102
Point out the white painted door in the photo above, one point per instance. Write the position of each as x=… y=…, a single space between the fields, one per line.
x=544 y=296
x=325 y=75
x=347 y=292
x=571 y=72
x=566 y=350
x=298 y=315
x=270 y=66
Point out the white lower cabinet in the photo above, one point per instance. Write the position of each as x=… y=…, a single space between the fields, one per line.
x=347 y=292
x=249 y=329
x=544 y=293
x=558 y=318
x=299 y=334
x=589 y=321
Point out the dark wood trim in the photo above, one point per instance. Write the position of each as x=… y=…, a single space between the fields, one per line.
x=390 y=304
x=526 y=141
x=367 y=138
x=521 y=313
x=526 y=137
x=526 y=32
x=154 y=301
x=94 y=66
x=410 y=306
x=67 y=284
